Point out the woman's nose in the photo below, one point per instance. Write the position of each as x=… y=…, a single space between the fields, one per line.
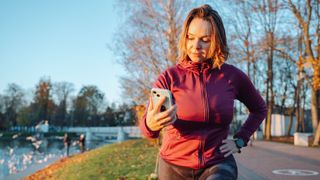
x=197 y=44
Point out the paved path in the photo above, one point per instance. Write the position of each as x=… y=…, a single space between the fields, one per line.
x=260 y=160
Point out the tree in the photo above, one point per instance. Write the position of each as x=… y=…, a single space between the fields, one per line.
x=305 y=18
x=127 y=115
x=62 y=91
x=290 y=96
x=148 y=43
x=87 y=105
x=290 y=49
x=25 y=116
x=109 y=118
x=260 y=17
x=13 y=101
x=242 y=44
x=2 y=119
x=43 y=104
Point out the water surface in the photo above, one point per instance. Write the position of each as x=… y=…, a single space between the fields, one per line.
x=16 y=155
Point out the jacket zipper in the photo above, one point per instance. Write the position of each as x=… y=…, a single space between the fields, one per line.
x=205 y=102
x=201 y=151
x=204 y=94
x=200 y=154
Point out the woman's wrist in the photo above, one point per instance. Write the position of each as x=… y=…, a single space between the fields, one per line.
x=239 y=144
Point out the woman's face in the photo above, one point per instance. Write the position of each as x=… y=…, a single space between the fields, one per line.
x=198 y=39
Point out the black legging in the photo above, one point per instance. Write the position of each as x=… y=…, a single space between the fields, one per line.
x=226 y=169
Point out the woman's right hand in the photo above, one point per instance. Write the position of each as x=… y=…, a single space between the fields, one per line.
x=156 y=120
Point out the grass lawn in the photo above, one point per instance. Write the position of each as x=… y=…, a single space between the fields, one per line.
x=132 y=159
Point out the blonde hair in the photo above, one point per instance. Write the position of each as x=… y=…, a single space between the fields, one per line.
x=218 y=50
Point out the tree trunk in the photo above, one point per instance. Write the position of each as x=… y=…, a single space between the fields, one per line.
x=317 y=136
x=298 y=103
x=315 y=117
x=302 y=120
x=298 y=124
x=254 y=73
x=290 y=123
x=268 y=122
x=270 y=95
x=248 y=69
x=314 y=110
x=268 y=118
x=283 y=101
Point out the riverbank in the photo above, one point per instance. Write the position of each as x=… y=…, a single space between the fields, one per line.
x=132 y=159
x=30 y=170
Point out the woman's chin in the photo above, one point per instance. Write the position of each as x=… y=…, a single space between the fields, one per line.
x=197 y=59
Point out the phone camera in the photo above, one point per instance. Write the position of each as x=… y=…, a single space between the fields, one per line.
x=163 y=108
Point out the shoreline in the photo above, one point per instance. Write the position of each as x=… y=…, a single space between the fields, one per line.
x=32 y=169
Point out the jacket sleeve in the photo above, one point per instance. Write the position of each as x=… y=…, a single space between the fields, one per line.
x=251 y=98
x=161 y=82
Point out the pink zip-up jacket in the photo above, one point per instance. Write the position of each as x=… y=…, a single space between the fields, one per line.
x=205 y=100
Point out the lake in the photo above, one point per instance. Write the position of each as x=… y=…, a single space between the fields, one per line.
x=17 y=155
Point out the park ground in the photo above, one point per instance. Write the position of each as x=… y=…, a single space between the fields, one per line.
x=135 y=159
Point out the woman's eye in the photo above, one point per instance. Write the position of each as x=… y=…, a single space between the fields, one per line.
x=206 y=40
x=190 y=38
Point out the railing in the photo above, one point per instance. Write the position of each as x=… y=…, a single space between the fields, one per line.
x=120 y=133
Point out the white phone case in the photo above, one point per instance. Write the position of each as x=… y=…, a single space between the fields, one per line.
x=157 y=93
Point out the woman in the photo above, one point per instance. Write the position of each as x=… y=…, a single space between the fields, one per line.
x=204 y=88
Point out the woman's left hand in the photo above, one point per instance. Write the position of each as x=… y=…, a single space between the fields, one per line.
x=229 y=147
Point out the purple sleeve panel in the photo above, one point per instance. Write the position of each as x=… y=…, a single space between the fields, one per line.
x=160 y=83
x=251 y=98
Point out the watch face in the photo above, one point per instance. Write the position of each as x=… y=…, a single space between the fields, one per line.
x=240 y=143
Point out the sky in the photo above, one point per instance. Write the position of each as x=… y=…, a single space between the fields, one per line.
x=61 y=40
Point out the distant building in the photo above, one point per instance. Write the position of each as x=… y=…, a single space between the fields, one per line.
x=281 y=121
x=280 y=124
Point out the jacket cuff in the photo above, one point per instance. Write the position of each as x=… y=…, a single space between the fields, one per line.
x=146 y=131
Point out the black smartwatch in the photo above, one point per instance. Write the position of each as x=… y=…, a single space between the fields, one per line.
x=239 y=143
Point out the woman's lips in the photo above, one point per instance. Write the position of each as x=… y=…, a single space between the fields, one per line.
x=196 y=54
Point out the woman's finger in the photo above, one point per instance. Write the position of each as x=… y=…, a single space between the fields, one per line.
x=165 y=121
x=150 y=107
x=223 y=146
x=168 y=123
x=173 y=116
x=228 y=154
x=169 y=112
x=223 y=150
x=157 y=106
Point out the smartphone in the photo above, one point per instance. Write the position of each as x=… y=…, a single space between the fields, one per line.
x=157 y=94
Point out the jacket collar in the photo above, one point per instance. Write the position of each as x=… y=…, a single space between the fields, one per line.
x=196 y=67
